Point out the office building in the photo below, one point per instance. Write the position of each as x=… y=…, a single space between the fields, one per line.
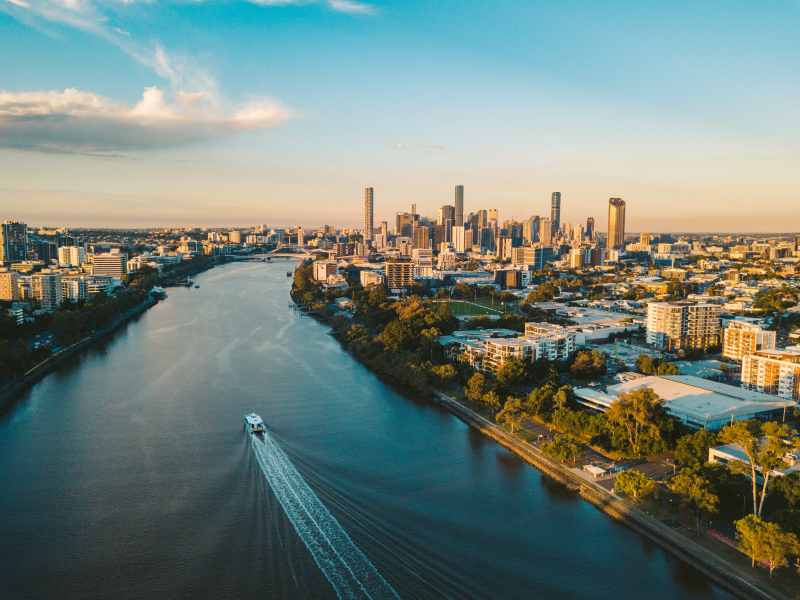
x=590 y=228
x=368 y=218
x=459 y=238
x=616 y=223
x=645 y=239
x=774 y=372
x=404 y=225
x=459 y=214
x=399 y=276
x=9 y=285
x=422 y=237
x=13 y=242
x=576 y=258
x=504 y=247
x=344 y=249
x=46 y=289
x=555 y=212
x=493 y=216
x=740 y=338
x=545 y=231
x=530 y=230
x=483 y=219
x=677 y=325
x=577 y=233
x=45 y=251
x=71 y=255
x=446 y=213
x=111 y=264
x=235 y=237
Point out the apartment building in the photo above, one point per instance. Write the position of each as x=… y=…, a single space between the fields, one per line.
x=9 y=285
x=370 y=278
x=740 y=338
x=678 y=325
x=71 y=255
x=324 y=269
x=399 y=276
x=46 y=289
x=774 y=372
x=74 y=288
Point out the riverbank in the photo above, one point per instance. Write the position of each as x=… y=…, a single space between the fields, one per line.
x=9 y=395
x=711 y=565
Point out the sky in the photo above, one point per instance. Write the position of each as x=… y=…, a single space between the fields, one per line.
x=214 y=113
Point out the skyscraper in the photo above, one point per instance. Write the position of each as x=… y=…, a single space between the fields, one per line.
x=459 y=205
x=555 y=212
x=13 y=241
x=493 y=215
x=483 y=219
x=446 y=212
x=545 y=231
x=405 y=225
x=590 y=228
x=530 y=230
x=368 y=224
x=616 y=223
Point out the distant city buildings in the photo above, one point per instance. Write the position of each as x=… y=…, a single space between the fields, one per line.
x=459 y=206
x=774 y=372
x=13 y=241
x=555 y=212
x=616 y=223
x=368 y=214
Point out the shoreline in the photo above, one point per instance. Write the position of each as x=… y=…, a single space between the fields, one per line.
x=682 y=549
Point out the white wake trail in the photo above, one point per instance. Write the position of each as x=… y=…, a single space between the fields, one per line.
x=347 y=569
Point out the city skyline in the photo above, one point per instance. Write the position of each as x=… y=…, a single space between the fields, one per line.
x=120 y=117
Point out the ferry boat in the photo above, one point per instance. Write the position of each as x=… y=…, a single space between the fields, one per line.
x=196 y=285
x=254 y=423
x=288 y=273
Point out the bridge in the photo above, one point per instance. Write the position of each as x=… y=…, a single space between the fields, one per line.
x=290 y=252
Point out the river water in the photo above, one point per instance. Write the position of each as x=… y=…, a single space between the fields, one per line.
x=127 y=473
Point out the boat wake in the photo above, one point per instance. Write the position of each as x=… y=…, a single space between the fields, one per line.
x=347 y=569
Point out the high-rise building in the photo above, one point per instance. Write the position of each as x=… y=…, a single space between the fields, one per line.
x=530 y=230
x=555 y=212
x=576 y=257
x=13 y=242
x=545 y=231
x=405 y=225
x=740 y=338
x=324 y=269
x=413 y=210
x=797 y=242
x=459 y=220
x=677 y=325
x=577 y=234
x=422 y=237
x=483 y=219
x=46 y=288
x=71 y=255
x=775 y=372
x=644 y=238
x=235 y=237
x=368 y=221
x=399 y=276
x=590 y=228
x=446 y=213
x=9 y=285
x=567 y=230
x=459 y=238
x=616 y=223
x=504 y=247
x=493 y=215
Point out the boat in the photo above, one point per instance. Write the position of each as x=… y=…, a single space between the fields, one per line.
x=288 y=273
x=196 y=285
x=254 y=423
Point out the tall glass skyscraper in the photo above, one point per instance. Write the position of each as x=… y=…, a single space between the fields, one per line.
x=555 y=212
x=616 y=223
x=368 y=223
x=13 y=241
x=459 y=205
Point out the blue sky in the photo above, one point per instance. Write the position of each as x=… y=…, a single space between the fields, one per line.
x=282 y=112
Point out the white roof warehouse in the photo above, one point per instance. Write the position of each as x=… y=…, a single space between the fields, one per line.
x=697 y=402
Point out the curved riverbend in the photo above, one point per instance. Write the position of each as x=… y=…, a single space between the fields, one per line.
x=127 y=473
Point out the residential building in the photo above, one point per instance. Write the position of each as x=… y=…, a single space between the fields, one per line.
x=422 y=237
x=678 y=325
x=616 y=223
x=740 y=338
x=576 y=258
x=9 y=285
x=112 y=264
x=459 y=208
x=13 y=242
x=74 y=288
x=399 y=276
x=71 y=255
x=505 y=247
x=368 y=214
x=530 y=230
x=369 y=278
x=555 y=214
x=774 y=372
x=545 y=231
x=447 y=261
x=536 y=257
x=459 y=238
x=344 y=249
x=46 y=289
x=324 y=269
x=235 y=237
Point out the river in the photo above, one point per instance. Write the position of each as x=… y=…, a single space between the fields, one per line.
x=127 y=473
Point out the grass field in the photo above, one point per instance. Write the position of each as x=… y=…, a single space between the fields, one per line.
x=475 y=307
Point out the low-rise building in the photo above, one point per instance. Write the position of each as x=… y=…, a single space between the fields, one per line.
x=741 y=338
x=324 y=269
x=370 y=278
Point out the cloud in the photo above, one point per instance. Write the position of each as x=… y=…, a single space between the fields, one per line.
x=397 y=146
x=76 y=122
x=352 y=7
x=19 y=3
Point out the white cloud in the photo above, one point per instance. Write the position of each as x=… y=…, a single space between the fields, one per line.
x=397 y=146
x=352 y=7
x=413 y=145
x=86 y=123
x=19 y=3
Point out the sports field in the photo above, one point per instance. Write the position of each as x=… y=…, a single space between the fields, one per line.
x=475 y=307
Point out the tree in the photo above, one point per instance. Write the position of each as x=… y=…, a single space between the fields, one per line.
x=492 y=400
x=635 y=483
x=544 y=293
x=644 y=364
x=750 y=537
x=668 y=368
x=513 y=413
x=697 y=496
x=778 y=546
x=563 y=448
x=637 y=415
x=764 y=444
x=512 y=372
x=476 y=387
x=588 y=364
x=693 y=448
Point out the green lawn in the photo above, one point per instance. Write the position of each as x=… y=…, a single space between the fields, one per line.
x=475 y=308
